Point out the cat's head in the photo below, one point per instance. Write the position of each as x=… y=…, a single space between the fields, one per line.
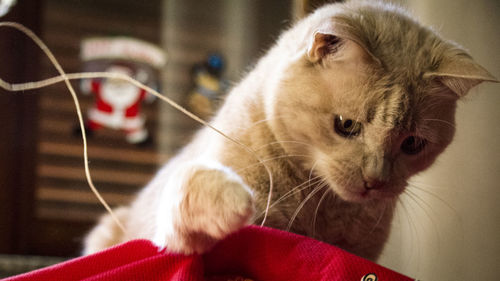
x=372 y=99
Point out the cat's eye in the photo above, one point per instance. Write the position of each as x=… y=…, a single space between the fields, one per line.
x=413 y=145
x=347 y=127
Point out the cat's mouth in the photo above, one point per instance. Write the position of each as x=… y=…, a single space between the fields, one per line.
x=360 y=194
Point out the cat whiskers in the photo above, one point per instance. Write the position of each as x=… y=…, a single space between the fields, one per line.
x=423 y=205
x=379 y=219
x=298 y=188
x=322 y=197
x=317 y=209
x=412 y=229
x=423 y=187
x=318 y=188
x=294 y=190
x=442 y=121
x=303 y=186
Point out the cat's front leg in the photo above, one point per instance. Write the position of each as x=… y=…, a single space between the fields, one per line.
x=200 y=204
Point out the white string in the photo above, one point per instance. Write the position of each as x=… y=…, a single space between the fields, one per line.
x=64 y=77
x=32 y=85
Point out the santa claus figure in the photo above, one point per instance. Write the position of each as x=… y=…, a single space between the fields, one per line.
x=117 y=102
x=117 y=105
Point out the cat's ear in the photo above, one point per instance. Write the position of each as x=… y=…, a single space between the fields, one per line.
x=460 y=73
x=330 y=40
x=322 y=44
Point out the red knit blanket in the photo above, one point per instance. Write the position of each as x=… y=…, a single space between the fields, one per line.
x=254 y=253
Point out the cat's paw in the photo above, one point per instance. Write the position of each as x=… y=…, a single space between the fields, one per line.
x=212 y=203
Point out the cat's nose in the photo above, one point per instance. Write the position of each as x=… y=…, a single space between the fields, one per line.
x=374 y=184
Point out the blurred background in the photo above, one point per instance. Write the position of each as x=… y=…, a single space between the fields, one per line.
x=449 y=229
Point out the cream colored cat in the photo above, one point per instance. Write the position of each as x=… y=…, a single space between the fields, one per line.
x=350 y=102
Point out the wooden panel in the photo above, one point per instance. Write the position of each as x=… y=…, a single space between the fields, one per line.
x=102 y=152
x=63 y=199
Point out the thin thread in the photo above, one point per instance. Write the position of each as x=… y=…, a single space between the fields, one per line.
x=63 y=77
x=88 y=75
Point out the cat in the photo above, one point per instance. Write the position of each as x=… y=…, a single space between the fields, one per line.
x=348 y=104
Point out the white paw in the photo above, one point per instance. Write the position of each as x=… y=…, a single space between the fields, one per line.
x=210 y=203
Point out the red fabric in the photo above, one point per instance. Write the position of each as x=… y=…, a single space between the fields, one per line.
x=256 y=253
